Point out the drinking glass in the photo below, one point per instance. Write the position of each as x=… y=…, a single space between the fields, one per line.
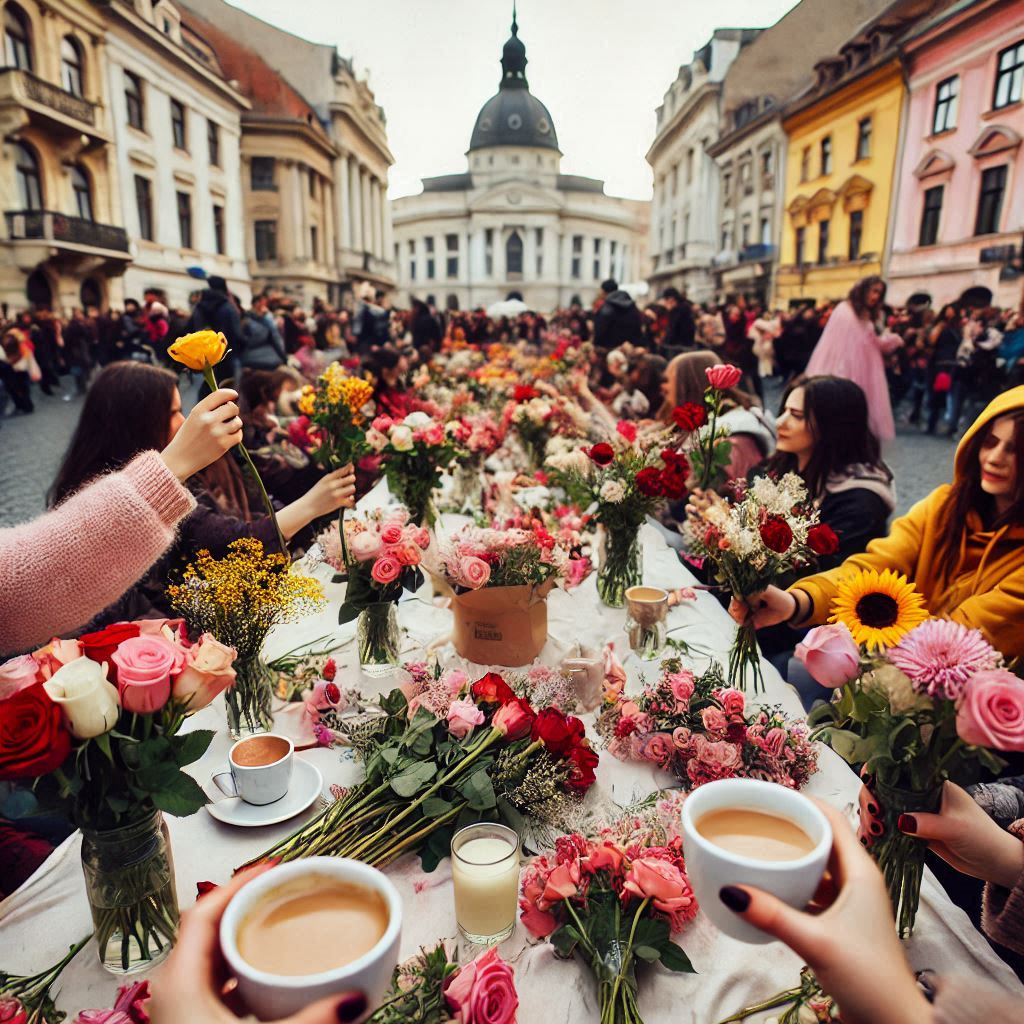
x=646 y=610
x=485 y=872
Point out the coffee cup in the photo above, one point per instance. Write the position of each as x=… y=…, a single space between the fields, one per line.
x=270 y=995
x=785 y=854
x=260 y=769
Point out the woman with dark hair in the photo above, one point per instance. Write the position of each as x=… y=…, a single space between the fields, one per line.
x=389 y=367
x=962 y=546
x=853 y=345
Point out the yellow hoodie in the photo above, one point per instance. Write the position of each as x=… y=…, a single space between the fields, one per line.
x=986 y=591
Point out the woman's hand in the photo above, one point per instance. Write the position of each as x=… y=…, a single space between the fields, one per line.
x=699 y=501
x=188 y=988
x=333 y=491
x=212 y=428
x=768 y=608
x=847 y=936
x=966 y=838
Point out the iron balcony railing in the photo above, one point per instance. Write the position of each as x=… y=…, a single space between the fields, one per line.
x=49 y=226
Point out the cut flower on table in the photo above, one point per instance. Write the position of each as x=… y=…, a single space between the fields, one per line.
x=26 y=999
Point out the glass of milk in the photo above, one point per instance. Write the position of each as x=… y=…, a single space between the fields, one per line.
x=485 y=871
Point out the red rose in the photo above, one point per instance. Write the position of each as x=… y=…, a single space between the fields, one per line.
x=515 y=719
x=492 y=689
x=524 y=392
x=602 y=453
x=648 y=481
x=558 y=732
x=673 y=458
x=822 y=539
x=330 y=670
x=583 y=762
x=101 y=645
x=689 y=416
x=776 y=534
x=33 y=739
x=673 y=480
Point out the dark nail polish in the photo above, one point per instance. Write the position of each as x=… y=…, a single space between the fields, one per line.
x=907 y=823
x=351 y=1008
x=873 y=808
x=735 y=898
x=202 y=888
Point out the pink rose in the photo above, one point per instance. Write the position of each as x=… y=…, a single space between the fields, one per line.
x=655 y=879
x=724 y=377
x=733 y=701
x=407 y=553
x=473 y=572
x=145 y=665
x=421 y=536
x=714 y=720
x=128 y=1008
x=564 y=882
x=17 y=674
x=484 y=991
x=55 y=655
x=391 y=534
x=208 y=671
x=830 y=654
x=681 y=685
x=775 y=742
x=382 y=424
x=463 y=717
x=658 y=748
x=11 y=1011
x=456 y=680
x=386 y=570
x=721 y=759
x=626 y=429
x=991 y=711
x=681 y=739
x=365 y=546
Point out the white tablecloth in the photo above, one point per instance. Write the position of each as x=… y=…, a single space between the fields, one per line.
x=39 y=921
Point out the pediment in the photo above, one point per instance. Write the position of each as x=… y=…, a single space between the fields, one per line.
x=798 y=205
x=855 y=185
x=996 y=138
x=513 y=196
x=823 y=197
x=936 y=161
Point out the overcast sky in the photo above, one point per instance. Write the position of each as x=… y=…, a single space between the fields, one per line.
x=600 y=66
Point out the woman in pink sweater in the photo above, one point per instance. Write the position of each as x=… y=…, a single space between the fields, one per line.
x=61 y=569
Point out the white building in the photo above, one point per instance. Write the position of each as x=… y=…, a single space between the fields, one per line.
x=176 y=131
x=512 y=222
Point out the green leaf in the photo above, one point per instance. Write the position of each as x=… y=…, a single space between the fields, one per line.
x=410 y=781
x=436 y=848
x=191 y=746
x=565 y=940
x=648 y=953
x=673 y=957
x=156 y=777
x=154 y=751
x=103 y=742
x=479 y=791
x=182 y=797
x=434 y=807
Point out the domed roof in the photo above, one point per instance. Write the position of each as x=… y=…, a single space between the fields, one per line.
x=513 y=116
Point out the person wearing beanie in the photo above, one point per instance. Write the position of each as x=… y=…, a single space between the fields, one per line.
x=215 y=311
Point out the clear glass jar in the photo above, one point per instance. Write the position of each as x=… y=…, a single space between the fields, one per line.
x=618 y=566
x=249 y=701
x=646 y=611
x=378 y=638
x=129 y=882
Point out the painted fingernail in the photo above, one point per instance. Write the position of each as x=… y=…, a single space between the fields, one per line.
x=873 y=808
x=735 y=898
x=202 y=888
x=907 y=823
x=351 y=1008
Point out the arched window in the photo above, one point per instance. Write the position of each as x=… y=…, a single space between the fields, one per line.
x=17 y=38
x=83 y=192
x=91 y=294
x=514 y=254
x=134 y=101
x=30 y=183
x=71 y=66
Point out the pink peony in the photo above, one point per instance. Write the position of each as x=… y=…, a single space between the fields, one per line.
x=483 y=992
x=939 y=657
x=830 y=655
x=463 y=717
x=724 y=377
x=658 y=749
x=473 y=572
x=17 y=674
x=391 y=534
x=681 y=685
x=733 y=701
x=145 y=665
x=382 y=423
x=386 y=570
x=207 y=671
x=714 y=720
x=365 y=546
x=991 y=711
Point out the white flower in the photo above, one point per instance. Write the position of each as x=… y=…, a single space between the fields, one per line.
x=376 y=440
x=566 y=461
x=538 y=411
x=612 y=491
x=86 y=698
x=401 y=438
x=417 y=419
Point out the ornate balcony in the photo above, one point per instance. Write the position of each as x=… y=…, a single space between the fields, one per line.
x=758 y=252
x=66 y=232
x=24 y=98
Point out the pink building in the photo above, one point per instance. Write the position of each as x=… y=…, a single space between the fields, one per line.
x=959 y=198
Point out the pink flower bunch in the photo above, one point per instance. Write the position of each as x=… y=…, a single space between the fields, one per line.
x=483 y=992
x=384 y=540
x=479 y=433
x=436 y=693
x=129 y=1007
x=940 y=657
x=419 y=430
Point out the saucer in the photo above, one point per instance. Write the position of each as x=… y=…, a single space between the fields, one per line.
x=306 y=786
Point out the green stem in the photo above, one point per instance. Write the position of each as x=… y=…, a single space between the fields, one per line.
x=769 y=1004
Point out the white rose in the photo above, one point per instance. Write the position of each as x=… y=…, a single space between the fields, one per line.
x=208 y=671
x=376 y=440
x=401 y=439
x=86 y=697
x=612 y=491
x=417 y=419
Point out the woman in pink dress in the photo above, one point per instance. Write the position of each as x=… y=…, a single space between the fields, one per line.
x=853 y=345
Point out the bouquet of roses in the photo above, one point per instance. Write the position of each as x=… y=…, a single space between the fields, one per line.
x=26 y=999
x=442 y=755
x=415 y=450
x=710 y=450
x=334 y=410
x=537 y=418
x=916 y=703
x=772 y=530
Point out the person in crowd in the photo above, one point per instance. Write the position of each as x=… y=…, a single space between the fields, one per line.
x=944 y=341
x=853 y=345
x=618 y=320
x=215 y=311
x=426 y=331
x=390 y=395
x=263 y=347
x=738 y=349
x=80 y=336
x=130 y=332
x=961 y=546
x=18 y=368
x=975 y=365
x=796 y=341
x=764 y=329
x=158 y=329
x=681 y=332
x=373 y=323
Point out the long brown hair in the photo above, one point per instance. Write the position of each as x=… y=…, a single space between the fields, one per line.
x=858 y=296
x=687 y=382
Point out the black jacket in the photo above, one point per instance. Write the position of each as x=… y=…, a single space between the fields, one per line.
x=216 y=312
x=682 y=332
x=618 y=321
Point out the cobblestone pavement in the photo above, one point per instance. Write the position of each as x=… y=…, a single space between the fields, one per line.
x=31 y=448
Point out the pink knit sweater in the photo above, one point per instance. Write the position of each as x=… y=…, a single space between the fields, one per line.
x=61 y=569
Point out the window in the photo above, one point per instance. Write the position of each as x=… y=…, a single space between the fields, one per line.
x=766 y=162
x=83 y=192
x=314 y=242
x=184 y=201
x=727 y=186
x=825 y=152
x=261 y=174
x=489 y=252
x=213 y=142
x=765 y=234
x=451 y=244
x=144 y=206
x=805 y=163
x=613 y=255
x=312 y=183
x=689 y=166
x=577 y=257
x=218 y=228
x=539 y=249
x=30 y=186
x=822 y=241
x=1009 y=76
x=265 y=232
x=514 y=254
x=597 y=251
x=800 y=239
x=990 y=200
x=856 y=233
x=930 y=214
x=946 y=93
x=17 y=38
x=864 y=138
x=178 y=125
x=412 y=260
x=71 y=66
x=429 y=246
x=745 y=234
x=133 y=100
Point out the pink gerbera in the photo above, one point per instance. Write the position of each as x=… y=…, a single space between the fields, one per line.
x=939 y=656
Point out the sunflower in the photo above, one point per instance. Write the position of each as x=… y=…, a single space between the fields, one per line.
x=877 y=608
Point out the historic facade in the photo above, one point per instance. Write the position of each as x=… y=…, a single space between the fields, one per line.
x=512 y=222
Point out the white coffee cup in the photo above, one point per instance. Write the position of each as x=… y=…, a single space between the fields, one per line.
x=710 y=867
x=258 y=783
x=269 y=996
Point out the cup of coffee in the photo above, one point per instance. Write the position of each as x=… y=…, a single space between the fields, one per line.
x=747 y=832
x=309 y=929
x=260 y=769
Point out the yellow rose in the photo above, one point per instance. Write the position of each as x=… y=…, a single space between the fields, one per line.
x=199 y=350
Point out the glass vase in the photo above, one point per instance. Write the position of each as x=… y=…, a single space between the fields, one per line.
x=129 y=882
x=378 y=638
x=618 y=566
x=249 y=700
x=467 y=487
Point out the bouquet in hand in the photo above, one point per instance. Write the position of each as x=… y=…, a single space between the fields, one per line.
x=916 y=703
x=770 y=531
x=334 y=411
x=701 y=730
x=26 y=999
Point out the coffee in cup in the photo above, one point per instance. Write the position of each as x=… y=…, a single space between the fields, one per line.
x=260 y=769
x=755 y=834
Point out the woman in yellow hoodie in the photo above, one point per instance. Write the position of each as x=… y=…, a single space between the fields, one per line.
x=962 y=546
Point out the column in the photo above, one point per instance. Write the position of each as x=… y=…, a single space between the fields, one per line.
x=378 y=223
x=364 y=183
x=356 y=200
x=327 y=219
x=289 y=241
x=342 y=195
x=389 y=234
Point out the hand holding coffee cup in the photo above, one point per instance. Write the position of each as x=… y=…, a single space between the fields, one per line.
x=260 y=769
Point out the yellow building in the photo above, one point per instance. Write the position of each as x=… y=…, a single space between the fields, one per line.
x=840 y=165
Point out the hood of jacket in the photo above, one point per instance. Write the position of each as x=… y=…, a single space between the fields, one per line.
x=758 y=423
x=1008 y=401
x=211 y=302
x=619 y=300
x=860 y=475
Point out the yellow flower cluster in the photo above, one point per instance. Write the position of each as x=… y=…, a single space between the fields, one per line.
x=307 y=400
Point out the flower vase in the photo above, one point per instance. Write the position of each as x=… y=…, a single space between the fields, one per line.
x=618 y=566
x=249 y=700
x=129 y=882
x=467 y=487
x=378 y=638
x=900 y=857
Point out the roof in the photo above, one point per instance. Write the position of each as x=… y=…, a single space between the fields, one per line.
x=579 y=183
x=449 y=183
